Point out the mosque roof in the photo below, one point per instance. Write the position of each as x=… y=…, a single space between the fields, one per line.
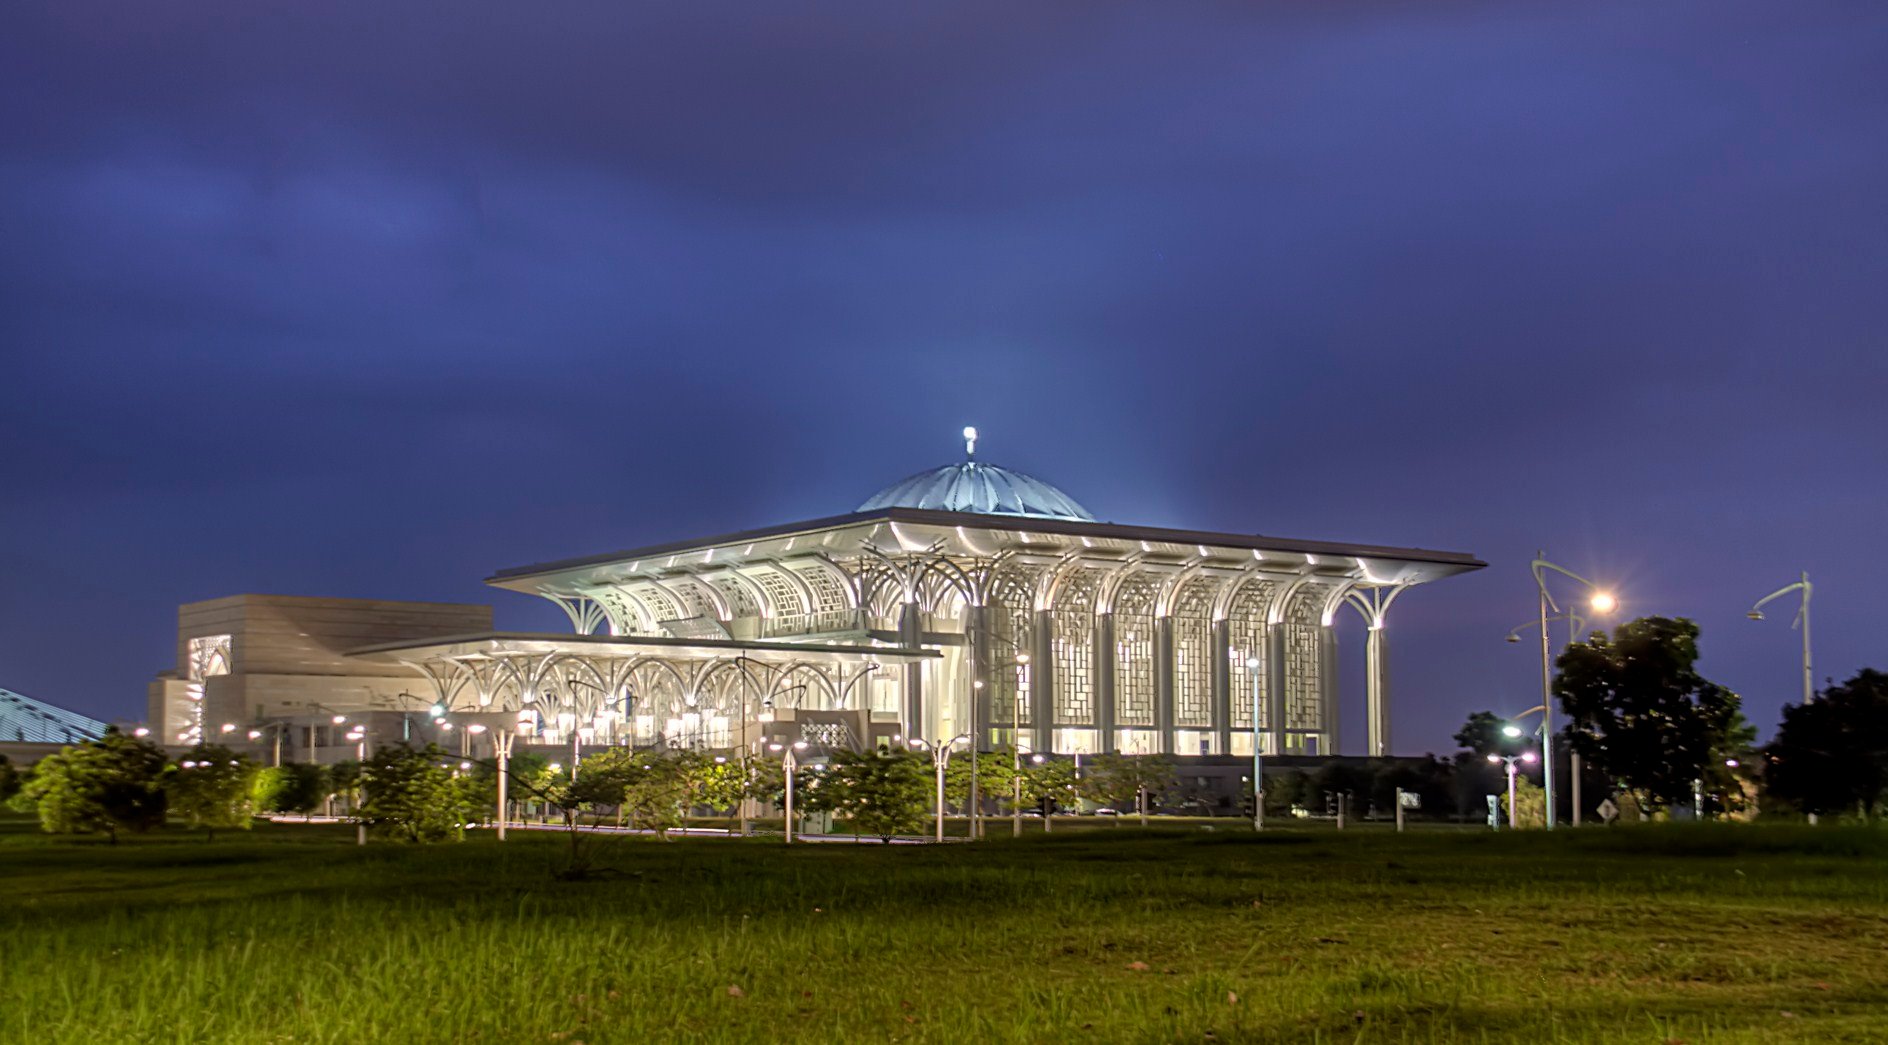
x=983 y=489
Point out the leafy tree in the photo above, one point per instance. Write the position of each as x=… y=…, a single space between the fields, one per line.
x=344 y=781
x=1482 y=735
x=1428 y=778
x=1643 y=714
x=1049 y=784
x=1286 y=791
x=10 y=782
x=1831 y=755
x=293 y=787
x=881 y=793
x=1118 y=781
x=724 y=783
x=996 y=774
x=111 y=784
x=657 y=788
x=211 y=787
x=415 y=795
x=1530 y=804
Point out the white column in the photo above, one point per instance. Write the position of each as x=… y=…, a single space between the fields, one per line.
x=1377 y=692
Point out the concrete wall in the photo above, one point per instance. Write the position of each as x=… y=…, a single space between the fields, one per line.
x=288 y=654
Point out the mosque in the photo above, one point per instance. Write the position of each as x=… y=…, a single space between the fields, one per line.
x=967 y=602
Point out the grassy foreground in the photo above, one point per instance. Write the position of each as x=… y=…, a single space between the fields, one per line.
x=1672 y=934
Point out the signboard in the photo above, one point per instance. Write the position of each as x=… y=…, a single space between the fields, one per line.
x=1410 y=799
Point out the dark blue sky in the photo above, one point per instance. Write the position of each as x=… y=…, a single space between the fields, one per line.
x=373 y=303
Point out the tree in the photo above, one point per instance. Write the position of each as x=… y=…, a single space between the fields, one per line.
x=657 y=789
x=415 y=795
x=10 y=782
x=293 y=787
x=1830 y=756
x=1049 y=784
x=344 y=781
x=724 y=783
x=111 y=784
x=211 y=787
x=1482 y=735
x=1119 y=781
x=1642 y=714
x=996 y=775
x=881 y=793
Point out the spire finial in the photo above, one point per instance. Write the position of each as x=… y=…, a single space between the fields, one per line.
x=970 y=442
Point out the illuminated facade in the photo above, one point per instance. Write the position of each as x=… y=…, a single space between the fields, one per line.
x=967 y=600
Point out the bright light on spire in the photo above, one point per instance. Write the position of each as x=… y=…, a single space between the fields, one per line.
x=970 y=441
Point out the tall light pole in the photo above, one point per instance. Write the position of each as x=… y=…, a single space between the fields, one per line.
x=1575 y=625
x=1802 y=619
x=1258 y=753
x=359 y=735
x=787 y=765
x=1602 y=602
x=976 y=792
x=1525 y=756
x=940 y=758
x=1016 y=749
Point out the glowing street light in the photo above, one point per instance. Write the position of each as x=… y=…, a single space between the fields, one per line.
x=1525 y=756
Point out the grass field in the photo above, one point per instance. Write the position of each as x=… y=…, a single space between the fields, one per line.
x=1675 y=934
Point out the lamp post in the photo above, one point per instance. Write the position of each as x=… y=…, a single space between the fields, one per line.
x=359 y=735
x=1575 y=625
x=788 y=763
x=1258 y=755
x=1602 y=602
x=502 y=741
x=1802 y=619
x=940 y=758
x=1016 y=751
x=275 y=729
x=1525 y=756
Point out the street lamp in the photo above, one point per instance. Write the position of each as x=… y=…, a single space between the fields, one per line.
x=788 y=764
x=359 y=735
x=1802 y=619
x=941 y=757
x=1601 y=601
x=1016 y=751
x=1525 y=756
x=976 y=793
x=1258 y=755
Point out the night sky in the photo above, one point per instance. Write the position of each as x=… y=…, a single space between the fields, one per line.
x=375 y=299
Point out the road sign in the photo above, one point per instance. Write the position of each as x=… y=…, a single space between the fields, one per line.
x=1608 y=811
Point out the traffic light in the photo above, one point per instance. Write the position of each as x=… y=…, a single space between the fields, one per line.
x=1248 y=805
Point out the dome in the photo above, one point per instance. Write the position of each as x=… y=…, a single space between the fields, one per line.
x=985 y=489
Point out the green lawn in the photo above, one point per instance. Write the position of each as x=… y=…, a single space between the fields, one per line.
x=1693 y=934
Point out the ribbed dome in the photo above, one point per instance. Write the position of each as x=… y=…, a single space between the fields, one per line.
x=986 y=489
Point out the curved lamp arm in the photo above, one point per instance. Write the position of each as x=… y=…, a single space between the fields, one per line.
x=1802 y=586
x=1539 y=565
x=1578 y=622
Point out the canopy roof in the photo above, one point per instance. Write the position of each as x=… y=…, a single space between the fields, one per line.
x=1049 y=536
x=24 y=719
